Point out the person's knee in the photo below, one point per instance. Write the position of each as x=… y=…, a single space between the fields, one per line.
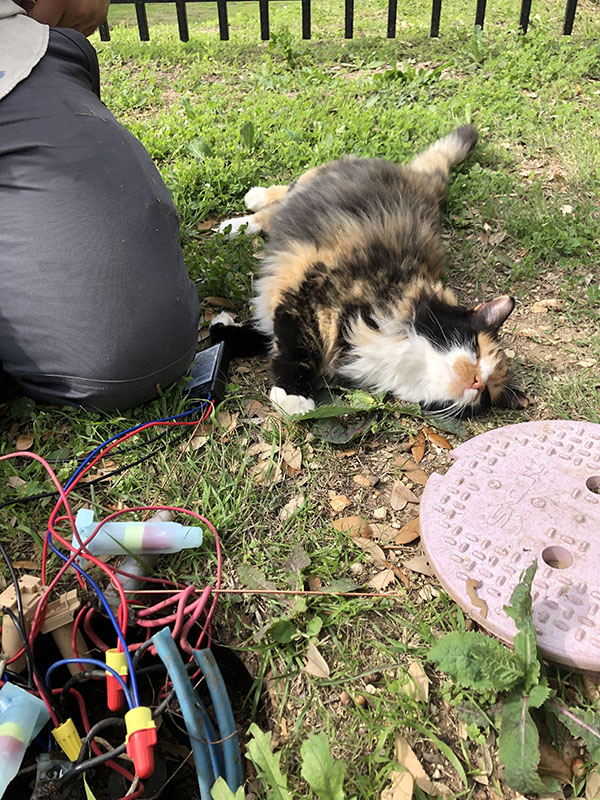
x=108 y=392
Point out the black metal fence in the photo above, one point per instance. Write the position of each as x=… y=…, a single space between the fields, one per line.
x=263 y=6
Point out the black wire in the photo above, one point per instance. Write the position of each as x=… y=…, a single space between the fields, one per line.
x=20 y=625
x=99 y=479
x=130 y=449
x=43 y=687
x=81 y=765
x=23 y=636
x=22 y=630
x=79 y=676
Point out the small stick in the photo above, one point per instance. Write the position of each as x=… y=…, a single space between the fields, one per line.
x=279 y=591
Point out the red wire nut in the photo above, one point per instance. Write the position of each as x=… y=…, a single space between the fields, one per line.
x=115 y=696
x=140 y=740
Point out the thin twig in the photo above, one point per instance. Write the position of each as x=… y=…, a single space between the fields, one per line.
x=280 y=591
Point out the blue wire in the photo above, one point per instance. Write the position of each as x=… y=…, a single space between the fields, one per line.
x=102 y=666
x=108 y=610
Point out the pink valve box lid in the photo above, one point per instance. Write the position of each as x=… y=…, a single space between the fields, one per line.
x=518 y=494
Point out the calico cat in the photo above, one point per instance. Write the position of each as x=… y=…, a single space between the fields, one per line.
x=350 y=288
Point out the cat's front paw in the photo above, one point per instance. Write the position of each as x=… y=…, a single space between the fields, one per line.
x=223 y=318
x=256 y=198
x=233 y=227
x=291 y=403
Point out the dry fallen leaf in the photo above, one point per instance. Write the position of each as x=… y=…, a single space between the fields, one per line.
x=592 y=785
x=314 y=583
x=219 y=302
x=407 y=758
x=15 y=482
x=472 y=585
x=254 y=408
x=266 y=472
x=339 y=502
x=436 y=439
x=382 y=533
x=417 y=684
x=353 y=526
x=374 y=553
x=292 y=455
x=291 y=507
x=382 y=580
x=417 y=447
x=409 y=532
x=365 y=480
x=198 y=442
x=227 y=420
x=315 y=663
x=401 y=786
x=25 y=565
x=411 y=470
x=419 y=564
x=346 y=453
x=24 y=441
x=591 y=688
x=552 y=764
x=539 y=308
x=262 y=449
x=206 y=225
x=401 y=495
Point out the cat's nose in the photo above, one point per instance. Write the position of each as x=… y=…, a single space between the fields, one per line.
x=477 y=384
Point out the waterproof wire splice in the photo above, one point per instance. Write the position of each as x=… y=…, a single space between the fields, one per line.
x=115 y=696
x=68 y=739
x=22 y=716
x=140 y=739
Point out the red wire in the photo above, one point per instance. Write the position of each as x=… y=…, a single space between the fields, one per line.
x=196 y=608
x=101 y=454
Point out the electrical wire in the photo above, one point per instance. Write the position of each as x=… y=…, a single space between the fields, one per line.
x=63 y=661
x=20 y=623
x=80 y=765
x=193 y=609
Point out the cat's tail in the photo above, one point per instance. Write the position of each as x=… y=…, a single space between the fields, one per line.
x=448 y=151
x=243 y=340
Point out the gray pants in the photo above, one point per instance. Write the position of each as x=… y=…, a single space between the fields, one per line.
x=96 y=306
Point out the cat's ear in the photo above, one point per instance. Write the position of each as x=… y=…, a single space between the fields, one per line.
x=493 y=313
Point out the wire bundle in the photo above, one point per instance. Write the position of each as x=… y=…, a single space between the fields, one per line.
x=186 y=610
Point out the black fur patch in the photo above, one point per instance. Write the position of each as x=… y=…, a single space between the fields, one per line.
x=444 y=325
x=243 y=340
x=463 y=412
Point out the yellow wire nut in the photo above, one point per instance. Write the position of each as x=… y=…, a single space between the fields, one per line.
x=138 y=719
x=118 y=661
x=68 y=739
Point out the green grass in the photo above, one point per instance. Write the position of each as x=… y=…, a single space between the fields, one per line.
x=522 y=217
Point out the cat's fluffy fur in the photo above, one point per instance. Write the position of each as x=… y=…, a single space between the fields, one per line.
x=350 y=287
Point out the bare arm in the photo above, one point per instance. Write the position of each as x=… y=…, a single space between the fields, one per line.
x=81 y=15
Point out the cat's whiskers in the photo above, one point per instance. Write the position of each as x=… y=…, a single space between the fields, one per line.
x=437 y=322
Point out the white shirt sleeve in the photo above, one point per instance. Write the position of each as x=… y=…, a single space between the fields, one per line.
x=23 y=42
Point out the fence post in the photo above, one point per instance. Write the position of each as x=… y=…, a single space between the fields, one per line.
x=436 y=12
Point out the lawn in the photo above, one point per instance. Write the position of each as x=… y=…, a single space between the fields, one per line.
x=522 y=218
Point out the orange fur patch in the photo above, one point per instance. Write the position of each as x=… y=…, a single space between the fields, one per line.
x=275 y=193
x=498 y=379
x=465 y=370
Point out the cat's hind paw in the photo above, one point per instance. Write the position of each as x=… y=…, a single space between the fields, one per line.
x=234 y=227
x=291 y=403
x=256 y=198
